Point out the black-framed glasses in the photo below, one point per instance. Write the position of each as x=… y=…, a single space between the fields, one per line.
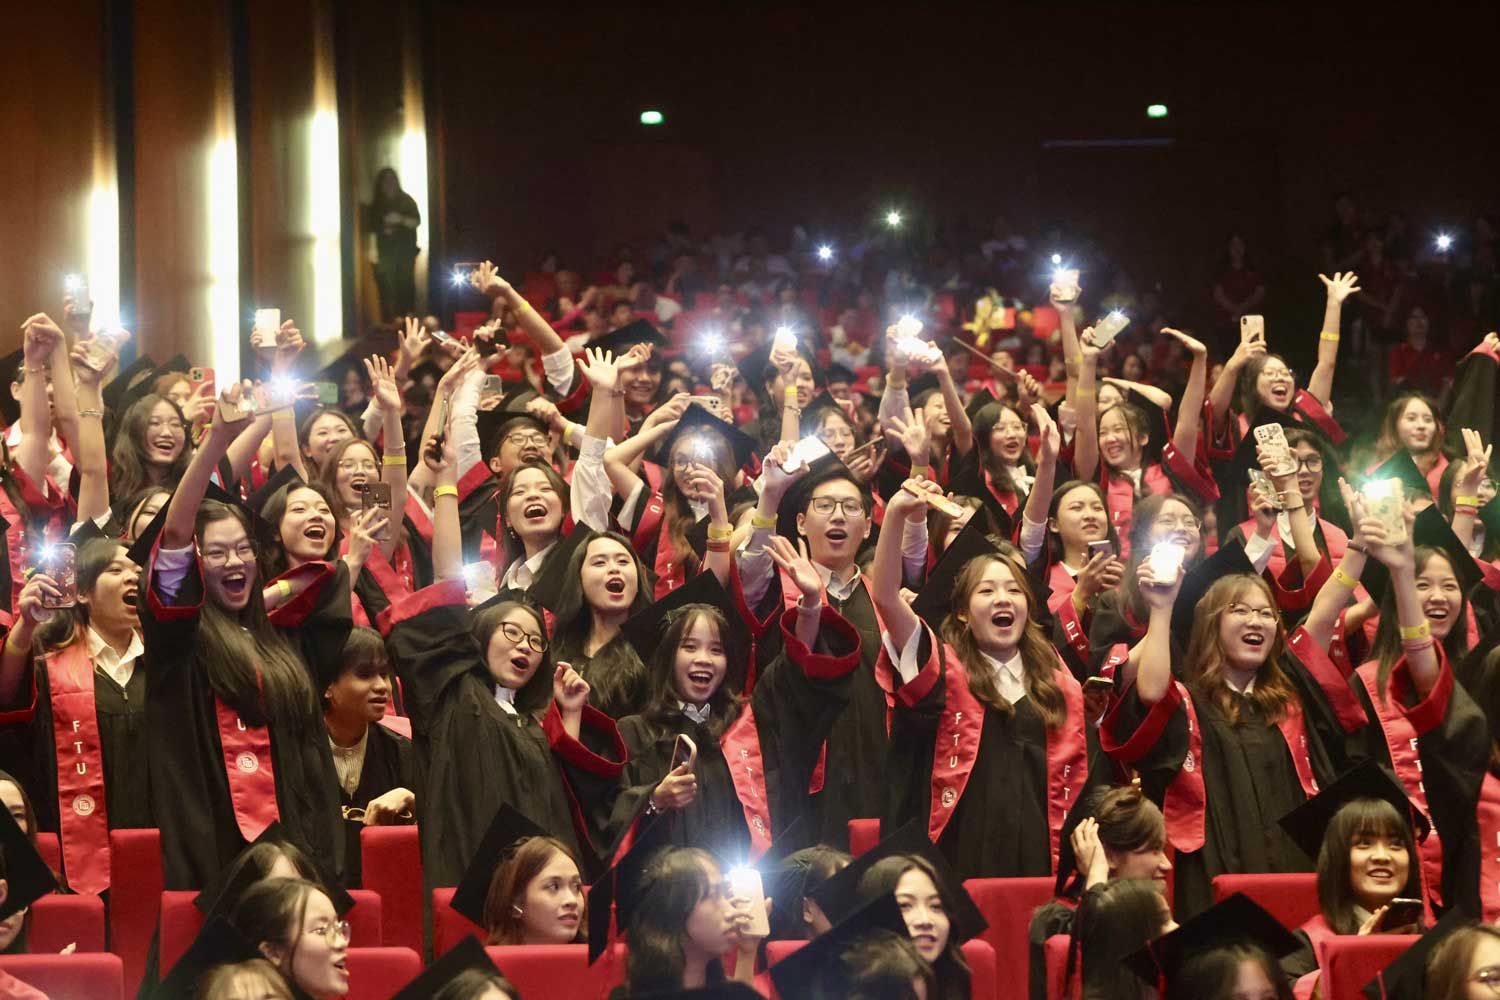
x=523 y=438
x=517 y=635
x=825 y=506
x=1312 y=463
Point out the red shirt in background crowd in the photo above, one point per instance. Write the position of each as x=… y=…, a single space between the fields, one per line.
x=1428 y=367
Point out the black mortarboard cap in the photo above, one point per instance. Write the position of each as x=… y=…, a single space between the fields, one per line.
x=1229 y=559
x=725 y=989
x=982 y=397
x=283 y=477
x=552 y=582
x=177 y=363
x=226 y=888
x=1307 y=823
x=817 y=970
x=1432 y=528
x=935 y=600
x=1082 y=808
x=509 y=411
x=637 y=332
x=697 y=421
x=968 y=481
x=1400 y=466
x=218 y=943
x=626 y=882
x=839 y=373
x=27 y=876
x=1236 y=919
x=644 y=629
x=796 y=499
x=143 y=370
x=1406 y=977
x=140 y=549
x=919 y=388
x=506 y=831
x=467 y=954
x=839 y=896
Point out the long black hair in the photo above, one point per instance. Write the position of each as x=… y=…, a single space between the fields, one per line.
x=615 y=673
x=1113 y=921
x=273 y=559
x=533 y=696
x=953 y=974
x=677 y=881
x=662 y=697
x=1358 y=819
x=128 y=467
x=1387 y=649
x=66 y=628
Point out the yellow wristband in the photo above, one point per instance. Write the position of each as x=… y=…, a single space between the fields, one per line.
x=1083 y=392
x=769 y=523
x=284 y=588
x=1421 y=631
x=1325 y=335
x=1345 y=578
x=1074 y=359
x=282 y=414
x=791 y=394
x=446 y=490
x=393 y=459
x=1466 y=502
x=723 y=534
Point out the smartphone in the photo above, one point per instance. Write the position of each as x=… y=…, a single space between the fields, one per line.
x=1253 y=327
x=328 y=393
x=936 y=501
x=1402 y=912
x=267 y=322
x=1098 y=685
x=1108 y=328
x=714 y=405
x=684 y=751
x=59 y=560
x=247 y=406
x=1273 y=438
x=100 y=350
x=785 y=340
x=443 y=337
x=77 y=286
x=441 y=437
x=1262 y=482
x=466 y=274
x=1102 y=547
x=1065 y=284
x=198 y=376
x=805 y=452
x=1166 y=559
x=1385 y=499
x=479 y=578
x=377 y=495
x=493 y=386
x=747 y=894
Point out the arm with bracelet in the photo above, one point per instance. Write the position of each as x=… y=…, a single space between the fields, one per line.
x=441 y=460
x=393 y=461
x=92 y=460
x=39 y=335
x=1320 y=383
x=1334 y=596
x=1284 y=481
x=1416 y=631
x=1466 y=485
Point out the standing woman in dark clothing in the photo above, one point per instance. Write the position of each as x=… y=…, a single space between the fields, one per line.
x=391 y=219
x=235 y=737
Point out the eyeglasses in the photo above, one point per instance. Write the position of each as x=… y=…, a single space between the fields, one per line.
x=523 y=438
x=516 y=634
x=1490 y=977
x=334 y=934
x=1285 y=373
x=220 y=557
x=1312 y=463
x=357 y=465
x=851 y=506
x=1249 y=614
x=157 y=423
x=1167 y=522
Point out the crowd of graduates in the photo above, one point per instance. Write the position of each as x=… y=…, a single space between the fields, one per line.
x=633 y=597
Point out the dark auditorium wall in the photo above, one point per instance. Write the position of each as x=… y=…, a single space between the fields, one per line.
x=781 y=114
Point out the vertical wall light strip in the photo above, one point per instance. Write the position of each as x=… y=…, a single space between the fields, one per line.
x=224 y=256
x=323 y=225
x=103 y=247
x=412 y=155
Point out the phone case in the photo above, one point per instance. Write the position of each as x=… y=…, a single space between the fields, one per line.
x=684 y=751
x=748 y=894
x=1273 y=438
x=1387 y=503
x=59 y=561
x=937 y=502
x=1255 y=325
x=1103 y=545
x=1262 y=482
x=806 y=452
x=1109 y=327
x=328 y=394
x=1065 y=282
x=268 y=321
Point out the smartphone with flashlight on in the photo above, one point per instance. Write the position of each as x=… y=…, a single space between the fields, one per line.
x=1385 y=500
x=1065 y=284
x=684 y=751
x=805 y=452
x=1166 y=559
x=233 y=412
x=77 y=287
x=1253 y=327
x=267 y=324
x=100 y=350
x=748 y=895
x=466 y=274
x=59 y=560
x=1108 y=328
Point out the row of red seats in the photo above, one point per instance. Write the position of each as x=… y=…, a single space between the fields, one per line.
x=387 y=918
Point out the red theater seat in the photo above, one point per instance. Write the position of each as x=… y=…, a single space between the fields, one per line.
x=1057 y=967
x=449 y=927
x=558 y=971
x=380 y=973
x=134 y=899
x=1290 y=897
x=50 y=848
x=1352 y=961
x=863 y=835
x=1007 y=904
x=58 y=921
x=181 y=921
x=70 y=977
x=392 y=862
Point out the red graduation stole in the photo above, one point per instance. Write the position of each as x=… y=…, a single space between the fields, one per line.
x=1307 y=404
x=247 y=764
x=1401 y=742
x=83 y=821
x=1186 y=802
x=741 y=746
x=1489 y=848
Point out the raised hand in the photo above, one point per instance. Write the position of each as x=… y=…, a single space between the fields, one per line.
x=1101 y=573
x=912 y=433
x=905 y=503
x=41 y=336
x=383 y=383
x=1159 y=594
x=454 y=376
x=1476 y=461
x=796 y=564
x=413 y=341
x=1028 y=389
x=547 y=412
x=776 y=480
x=1341 y=285
x=705 y=485
x=487 y=279
x=669 y=412
x=366 y=529
x=1195 y=347
x=199 y=408
x=1046 y=429
x=569 y=689
x=601 y=368
x=39 y=589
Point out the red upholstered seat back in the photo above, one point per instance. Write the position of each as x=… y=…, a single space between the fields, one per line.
x=58 y=921
x=135 y=879
x=559 y=971
x=863 y=835
x=392 y=866
x=181 y=921
x=1352 y=961
x=380 y=973
x=1290 y=897
x=97 y=976
x=449 y=927
x=1007 y=903
x=1057 y=967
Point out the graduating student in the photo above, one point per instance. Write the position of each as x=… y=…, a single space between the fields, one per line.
x=868 y=953
x=84 y=700
x=1113 y=921
x=522 y=886
x=988 y=740
x=235 y=738
x=464 y=972
x=374 y=762
x=481 y=690
x=1363 y=831
x=1228 y=952
x=293 y=923
x=1242 y=739
x=1411 y=423
x=24 y=878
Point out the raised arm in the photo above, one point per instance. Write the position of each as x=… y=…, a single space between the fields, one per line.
x=1034 y=514
x=1334 y=596
x=442 y=398
x=393 y=459
x=1416 y=633
x=1340 y=287
x=1067 y=327
x=91 y=458
x=1160 y=398
x=182 y=511
x=64 y=396
x=796 y=564
x=531 y=322
x=911 y=432
x=34 y=452
x=1190 y=410
x=958 y=418
x=441 y=460
x=896 y=615
x=705 y=483
x=243 y=448
x=1466 y=485
x=1221 y=396
x=1086 y=402
x=1151 y=660
x=1285 y=483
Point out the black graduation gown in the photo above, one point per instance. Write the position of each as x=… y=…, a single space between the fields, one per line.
x=1250 y=782
x=855 y=779
x=388 y=764
x=714 y=820
x=189 y=789
x=473 y=755
x=618 y=697
x=121 y=712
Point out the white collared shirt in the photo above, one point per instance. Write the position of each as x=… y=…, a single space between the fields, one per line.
x=119 y=666
x=1248 y=689
x=837 y=590
x=1010 y=679
x=698 y=713
x=521 y=573
x=506 y=698
x=349 y=762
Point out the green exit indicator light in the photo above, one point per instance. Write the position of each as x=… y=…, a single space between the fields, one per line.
x=655 y=118
x=1152 y=111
